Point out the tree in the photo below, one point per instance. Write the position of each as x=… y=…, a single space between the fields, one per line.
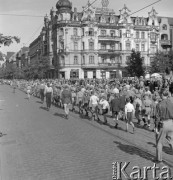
x=162 y=62
x=7 y=40
x=135 y=65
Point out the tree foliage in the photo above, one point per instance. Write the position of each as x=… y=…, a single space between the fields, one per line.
x=7 y=40
x=135 y=65
x=162 y=62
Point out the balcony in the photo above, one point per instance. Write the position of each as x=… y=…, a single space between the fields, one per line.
x=109 y=38
x=75 y=38
x=165 y=43
x=109 y=52
x=109 y=65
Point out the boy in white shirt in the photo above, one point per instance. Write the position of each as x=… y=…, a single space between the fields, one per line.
x=94 y=105
x=129 y=113
x=105 y=106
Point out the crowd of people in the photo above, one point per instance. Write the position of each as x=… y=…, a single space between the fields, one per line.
x=146 y=100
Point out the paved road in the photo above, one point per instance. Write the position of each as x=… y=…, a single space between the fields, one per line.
x=42 y=145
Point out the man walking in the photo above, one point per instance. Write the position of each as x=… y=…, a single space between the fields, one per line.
x=164 y=125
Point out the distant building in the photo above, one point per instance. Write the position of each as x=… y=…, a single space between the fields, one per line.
x=96 y=43
x=22 y=59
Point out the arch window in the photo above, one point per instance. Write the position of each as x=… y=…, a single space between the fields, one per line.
x=91 y=45
x=164 y=37
x=91 y=59
x=164 y=27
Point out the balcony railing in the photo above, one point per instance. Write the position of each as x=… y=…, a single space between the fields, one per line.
x=116 y=65
x=109 y=38
x=165 y=42
x=109 y=51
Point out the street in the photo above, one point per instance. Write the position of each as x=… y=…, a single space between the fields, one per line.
x=41 y=145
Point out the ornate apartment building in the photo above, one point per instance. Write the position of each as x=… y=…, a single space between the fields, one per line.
x=96 y=43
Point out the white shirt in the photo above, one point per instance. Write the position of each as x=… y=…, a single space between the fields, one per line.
x=115 y=90
x=129 y=108
x=104 y=104
x=94 y=100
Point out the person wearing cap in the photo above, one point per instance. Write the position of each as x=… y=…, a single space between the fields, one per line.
x=49 y=95
x=105 y=107
x=66 y=97
x=164 y=125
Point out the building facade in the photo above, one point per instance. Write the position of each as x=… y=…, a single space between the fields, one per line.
x=96 y=43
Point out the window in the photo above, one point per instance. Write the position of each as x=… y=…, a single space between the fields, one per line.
x=91 y=45
x=112 y=33
x=83 y=59
x=164 y=37
x=91 y=59
x=83 y=45
x=137 y=47
x=85 y=74
x=153 y=35
x=143 y=47
x=153 y=49
x=103 y=46
x=128 y=33
x=103 y=32
x=112 y=46
x=164 y=27
x=75 y=59
x=112 y=60
x=143 y=35
x=143 y=22
x=75 y=46
x=137 y=34
x=75 y=31
x=94 y=74
x=83 y=32
x=91 y=32
x=127 y=58
x=103 y=60
x=61 y=32
x=128 y=46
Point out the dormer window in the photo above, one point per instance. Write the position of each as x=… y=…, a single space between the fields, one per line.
x=164 y=27
x=91 y=32
x=75 y=31
x=128 y=33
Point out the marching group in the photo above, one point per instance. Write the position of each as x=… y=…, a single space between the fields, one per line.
x=146 y=100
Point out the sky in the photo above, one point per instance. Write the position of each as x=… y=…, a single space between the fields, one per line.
x=28 y=28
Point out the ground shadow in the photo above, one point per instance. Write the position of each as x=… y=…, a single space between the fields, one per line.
x=44 y=108
x=60 y=115
x=133 y=150
x=39 y=102
x=151 y=143
x=167 y=150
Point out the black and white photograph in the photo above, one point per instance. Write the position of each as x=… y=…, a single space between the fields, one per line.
x=86 y=90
